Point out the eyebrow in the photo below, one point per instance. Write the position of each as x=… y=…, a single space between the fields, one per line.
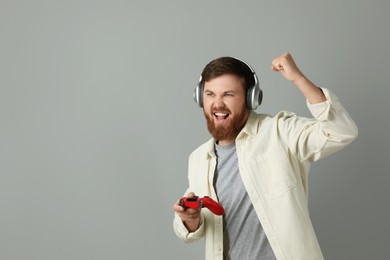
x=225 y=92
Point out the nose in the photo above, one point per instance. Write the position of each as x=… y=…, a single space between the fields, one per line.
x=218 y=102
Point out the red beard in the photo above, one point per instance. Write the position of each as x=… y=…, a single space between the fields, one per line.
x=229 y=130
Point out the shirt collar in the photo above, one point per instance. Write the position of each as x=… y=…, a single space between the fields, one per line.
x=250 y=128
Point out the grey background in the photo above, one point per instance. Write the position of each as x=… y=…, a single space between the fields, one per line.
x=97 y=118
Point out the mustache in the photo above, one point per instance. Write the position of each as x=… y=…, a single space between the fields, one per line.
x=221 y=110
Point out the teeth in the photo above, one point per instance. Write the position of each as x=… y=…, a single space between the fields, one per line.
x=220 y=114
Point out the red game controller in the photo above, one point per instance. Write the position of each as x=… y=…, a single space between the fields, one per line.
x=205 y=202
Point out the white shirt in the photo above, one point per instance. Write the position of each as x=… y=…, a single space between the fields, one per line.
x=274 y=155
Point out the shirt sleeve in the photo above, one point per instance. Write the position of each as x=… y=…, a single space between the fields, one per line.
x=330 y=129
x=182 y=232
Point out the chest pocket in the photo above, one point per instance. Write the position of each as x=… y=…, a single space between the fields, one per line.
x=273 y=172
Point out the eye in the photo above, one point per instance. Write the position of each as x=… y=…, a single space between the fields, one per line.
x=209 y=94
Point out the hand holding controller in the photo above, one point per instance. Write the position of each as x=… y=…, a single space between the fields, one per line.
x=205 y=202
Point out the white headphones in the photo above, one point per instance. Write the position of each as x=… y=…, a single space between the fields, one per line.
x=254 y=94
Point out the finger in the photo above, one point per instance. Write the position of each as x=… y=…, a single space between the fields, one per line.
x=177 y=203
x=274 y=68
x=277 y=66
x=287 y=55
x=177 y=207
x=190 y=195
x=191 y=213
x=188 y=213
x=277 y=62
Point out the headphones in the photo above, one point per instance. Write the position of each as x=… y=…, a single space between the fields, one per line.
x=254 y=94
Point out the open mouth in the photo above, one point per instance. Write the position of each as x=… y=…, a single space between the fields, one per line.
x=221 y=116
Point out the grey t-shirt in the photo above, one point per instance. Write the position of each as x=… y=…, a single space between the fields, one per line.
x=244 y=237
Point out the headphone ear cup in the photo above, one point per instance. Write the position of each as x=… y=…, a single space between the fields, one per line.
x=254 y=97
x=259 y=98
x=198 y=93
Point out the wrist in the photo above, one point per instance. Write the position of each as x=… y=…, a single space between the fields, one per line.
x=300 y=80
x=192 y=224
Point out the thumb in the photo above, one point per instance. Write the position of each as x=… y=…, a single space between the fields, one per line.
x=190 y=195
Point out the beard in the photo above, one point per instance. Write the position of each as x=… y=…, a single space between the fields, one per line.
x=231 y=129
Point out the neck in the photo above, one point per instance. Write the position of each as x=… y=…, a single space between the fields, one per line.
x=226 y=142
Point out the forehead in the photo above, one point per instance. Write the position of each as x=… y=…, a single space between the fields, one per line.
x=226 y=82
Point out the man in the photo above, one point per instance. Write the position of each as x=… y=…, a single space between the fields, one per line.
x=257 y=166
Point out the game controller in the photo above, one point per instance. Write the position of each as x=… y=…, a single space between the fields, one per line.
x=205 y=202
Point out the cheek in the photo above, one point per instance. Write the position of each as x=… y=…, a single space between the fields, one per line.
x=206 y=108
x=236 y=107
x=206 y=112
x=206 y=104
